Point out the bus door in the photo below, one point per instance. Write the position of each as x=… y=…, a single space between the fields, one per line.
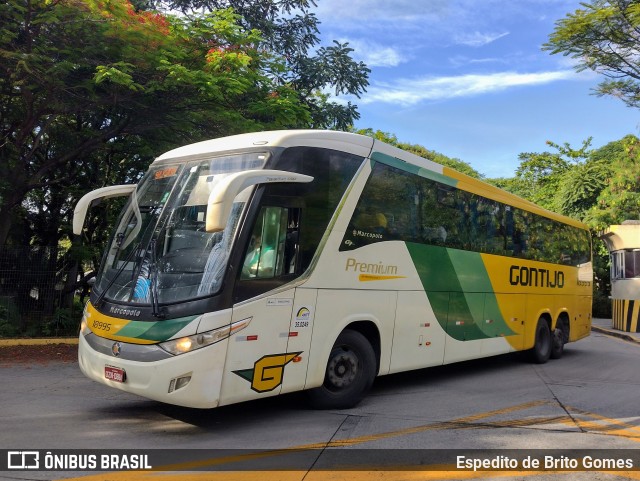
x=300 y=329
x=257 y=357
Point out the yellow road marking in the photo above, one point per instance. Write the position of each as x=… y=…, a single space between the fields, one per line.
x=430 y=427
x=447 y=474
x=435 y=472
x=605 y=425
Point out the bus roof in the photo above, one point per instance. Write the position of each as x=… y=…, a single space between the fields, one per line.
x=359 y=145
x=344 y=141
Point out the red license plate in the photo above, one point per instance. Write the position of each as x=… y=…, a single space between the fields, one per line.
x=115 y=374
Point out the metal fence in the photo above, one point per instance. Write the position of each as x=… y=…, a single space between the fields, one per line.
x=35 y=297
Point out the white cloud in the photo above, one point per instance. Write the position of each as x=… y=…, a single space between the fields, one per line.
x=477 y=39
x=379 y=10
x=412 y=91
x=383 y=57
x=463 y=61
x=374 y=54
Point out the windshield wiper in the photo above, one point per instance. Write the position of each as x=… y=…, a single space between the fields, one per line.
x=153 y=277
x=117 y=274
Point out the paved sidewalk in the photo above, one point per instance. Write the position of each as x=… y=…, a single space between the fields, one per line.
x=24 y=341
x=605 y=326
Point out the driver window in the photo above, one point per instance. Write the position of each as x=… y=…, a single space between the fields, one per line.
x=186 y=228
x=273 y=246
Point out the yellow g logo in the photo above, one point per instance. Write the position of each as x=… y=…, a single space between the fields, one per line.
x=268 y=371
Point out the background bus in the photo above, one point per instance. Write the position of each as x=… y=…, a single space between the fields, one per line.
x=272 y=262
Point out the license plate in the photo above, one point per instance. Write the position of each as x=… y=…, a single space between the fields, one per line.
x=115 y=374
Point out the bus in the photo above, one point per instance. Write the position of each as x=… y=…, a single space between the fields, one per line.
x=266 y=263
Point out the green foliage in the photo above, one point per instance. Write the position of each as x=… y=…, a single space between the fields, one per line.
x=602 y=279
x=91 y=91
x=602 y=36
x=9 y=317
x=599 y=187
x=580 y=188
x=65 y=322
x=619 y=200
x=540 y=175
x=289 y=30
x=80 y=114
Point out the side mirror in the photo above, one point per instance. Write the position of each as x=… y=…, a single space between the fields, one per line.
x=80 y=212
x=221 y=198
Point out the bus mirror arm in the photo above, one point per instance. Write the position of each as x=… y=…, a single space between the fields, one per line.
x=221 y=197
x=80 y=212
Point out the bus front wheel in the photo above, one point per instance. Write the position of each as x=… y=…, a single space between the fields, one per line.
x=350 y=372
x=541 y=350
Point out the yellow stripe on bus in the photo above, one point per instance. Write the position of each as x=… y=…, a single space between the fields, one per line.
x=108 y=327
x=478 y=187
x=374 y=277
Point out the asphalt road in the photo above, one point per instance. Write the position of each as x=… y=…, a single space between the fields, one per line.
x=589 y=399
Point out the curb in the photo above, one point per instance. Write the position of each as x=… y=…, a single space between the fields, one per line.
x=38 y=342
x=618 y=334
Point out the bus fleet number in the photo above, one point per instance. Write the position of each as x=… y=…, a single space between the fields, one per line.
x=102 y=326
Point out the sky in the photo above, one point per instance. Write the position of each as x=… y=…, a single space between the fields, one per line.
x=469 y=78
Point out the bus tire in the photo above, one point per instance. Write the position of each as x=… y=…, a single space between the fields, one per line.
x=541 y=350
x=557 y=344
x=350 y=372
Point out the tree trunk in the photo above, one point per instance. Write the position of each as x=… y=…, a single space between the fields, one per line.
x=10 y=200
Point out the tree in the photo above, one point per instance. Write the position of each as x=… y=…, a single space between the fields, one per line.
x=579 y=189
x=540 y=175
x=290 y=30
x=603 y=36
x=619 y=200
x=599 y=187
x=77 y=115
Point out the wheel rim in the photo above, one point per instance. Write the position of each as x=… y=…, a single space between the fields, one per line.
x=342 y=370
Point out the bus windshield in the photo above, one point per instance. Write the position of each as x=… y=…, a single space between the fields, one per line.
x=160 y=251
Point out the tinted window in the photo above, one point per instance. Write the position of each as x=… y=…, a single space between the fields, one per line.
x=625 y=264
x=332 y=172
x=399 y=205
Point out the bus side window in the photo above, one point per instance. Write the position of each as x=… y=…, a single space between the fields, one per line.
x=273 y=248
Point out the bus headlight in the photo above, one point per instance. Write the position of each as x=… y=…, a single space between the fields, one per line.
x=84 y=329
x=203 y=339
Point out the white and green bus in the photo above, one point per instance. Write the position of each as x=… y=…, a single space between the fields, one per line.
x=266 y=263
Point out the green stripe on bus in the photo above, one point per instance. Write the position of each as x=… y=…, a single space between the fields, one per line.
x=413 y=169
x=135 y=329
x=474 y=278
x=158 y=331
x=460 y=292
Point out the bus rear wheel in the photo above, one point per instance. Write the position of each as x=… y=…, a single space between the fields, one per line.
x=350 y=372
x=558 y=340
x=541 y=350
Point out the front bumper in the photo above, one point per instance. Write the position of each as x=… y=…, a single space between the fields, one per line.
x=153 y=377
